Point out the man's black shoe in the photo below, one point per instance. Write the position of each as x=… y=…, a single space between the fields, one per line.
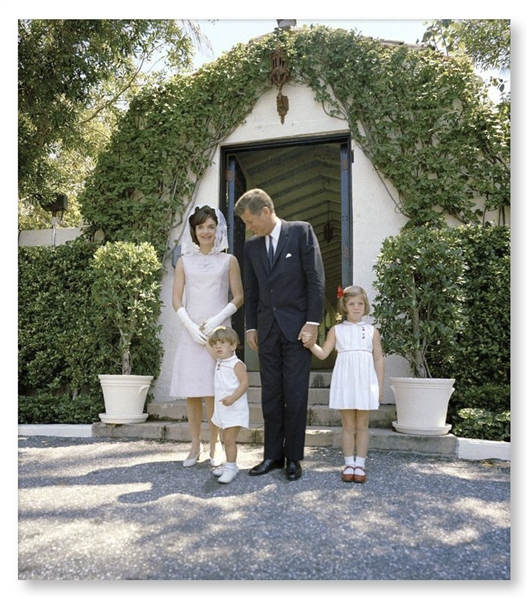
x=293 y=470
x=266 y=466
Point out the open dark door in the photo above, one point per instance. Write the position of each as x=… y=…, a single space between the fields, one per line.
x=236 y=232
x=346 y=215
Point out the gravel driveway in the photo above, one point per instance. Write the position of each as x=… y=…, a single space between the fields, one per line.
x=127 y=510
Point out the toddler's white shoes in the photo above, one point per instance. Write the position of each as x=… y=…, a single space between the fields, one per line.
x=229 y=473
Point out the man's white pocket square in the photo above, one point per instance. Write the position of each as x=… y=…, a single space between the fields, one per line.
x=288 y=255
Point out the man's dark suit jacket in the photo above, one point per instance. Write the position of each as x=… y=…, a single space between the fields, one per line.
x=292 y=290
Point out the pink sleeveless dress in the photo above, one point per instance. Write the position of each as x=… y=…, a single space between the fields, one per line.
x=205 y=294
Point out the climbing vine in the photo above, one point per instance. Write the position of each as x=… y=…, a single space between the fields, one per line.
x=423 y=120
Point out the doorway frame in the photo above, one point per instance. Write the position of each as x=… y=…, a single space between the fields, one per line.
x=230 y=190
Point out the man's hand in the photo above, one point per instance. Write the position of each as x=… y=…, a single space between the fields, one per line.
x=252 y=339
x=308 y=335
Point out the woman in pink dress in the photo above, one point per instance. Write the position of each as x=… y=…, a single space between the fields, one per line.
x=204 y=277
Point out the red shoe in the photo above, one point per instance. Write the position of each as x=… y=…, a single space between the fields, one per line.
x=348 y=474
x=361 y=476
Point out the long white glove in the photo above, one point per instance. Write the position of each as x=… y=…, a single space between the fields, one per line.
x=192 y=327
x=215 y=321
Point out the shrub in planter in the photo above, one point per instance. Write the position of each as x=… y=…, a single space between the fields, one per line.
x=126 y=293
x=418 y=305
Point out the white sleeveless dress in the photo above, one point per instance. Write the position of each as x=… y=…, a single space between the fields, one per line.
x=205 y=294
x=226 y=381
x=354 y=384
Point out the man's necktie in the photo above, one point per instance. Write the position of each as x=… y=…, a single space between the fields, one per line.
x=271 y=252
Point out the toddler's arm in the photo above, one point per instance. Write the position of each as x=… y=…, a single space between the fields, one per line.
x=243 y=384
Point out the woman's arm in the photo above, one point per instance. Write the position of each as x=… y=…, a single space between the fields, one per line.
x=178 y=286
x=235 y=282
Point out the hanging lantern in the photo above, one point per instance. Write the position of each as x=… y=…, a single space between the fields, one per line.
x=279 y=75
x=279 y=68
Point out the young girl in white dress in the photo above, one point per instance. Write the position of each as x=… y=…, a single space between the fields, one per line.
x=357 y=379
x=231 y=409
x=204 y=276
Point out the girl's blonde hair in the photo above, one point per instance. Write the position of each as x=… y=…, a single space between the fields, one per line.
x=224 y=334
x=352 y=291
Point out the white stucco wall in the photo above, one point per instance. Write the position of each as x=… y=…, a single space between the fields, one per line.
x=45 y=236
x=374 y=217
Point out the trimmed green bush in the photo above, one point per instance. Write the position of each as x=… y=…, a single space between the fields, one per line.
x=64 y=337
x=125 y=295
x=478 y=423
x=482 y=353
x=418 y=305
x=481 y=410
x=443 y=303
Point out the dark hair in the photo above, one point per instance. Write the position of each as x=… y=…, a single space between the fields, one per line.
x=352 y=291
x=224 y=334
x=254 y=200
x=200 y=215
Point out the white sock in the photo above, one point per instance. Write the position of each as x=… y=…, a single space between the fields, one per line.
x=360 y=462
x=230 y=466
x=350 y=461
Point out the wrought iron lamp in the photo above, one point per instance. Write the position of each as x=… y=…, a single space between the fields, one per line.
x=280 y=74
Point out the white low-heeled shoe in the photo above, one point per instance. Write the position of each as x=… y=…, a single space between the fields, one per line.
x=218 y=471
x=218 y=459
x=188 y=462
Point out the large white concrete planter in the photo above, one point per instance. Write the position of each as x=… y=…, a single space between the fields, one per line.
x=124 y=398
x=421 y=405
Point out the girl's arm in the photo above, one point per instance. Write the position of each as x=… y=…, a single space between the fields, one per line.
x=379 y=362
x=243 y=384
x=328 y=346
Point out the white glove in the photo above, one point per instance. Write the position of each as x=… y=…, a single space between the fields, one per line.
x=215 y=321
x=192 y=327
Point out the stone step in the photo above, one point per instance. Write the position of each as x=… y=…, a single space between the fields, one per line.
x=318 y=378
x=319 y=414
x=316 y=436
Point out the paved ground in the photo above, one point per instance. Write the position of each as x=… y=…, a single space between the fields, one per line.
x=127 y=510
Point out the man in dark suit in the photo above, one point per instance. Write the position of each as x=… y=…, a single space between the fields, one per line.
x=284 y=298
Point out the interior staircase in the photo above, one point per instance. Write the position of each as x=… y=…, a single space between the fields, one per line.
x=168 y=422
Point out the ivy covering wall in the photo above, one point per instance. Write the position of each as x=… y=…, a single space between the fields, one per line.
x=424 y=121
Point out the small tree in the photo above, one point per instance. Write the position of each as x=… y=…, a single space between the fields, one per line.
x=419 y=304
x=126 y=291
